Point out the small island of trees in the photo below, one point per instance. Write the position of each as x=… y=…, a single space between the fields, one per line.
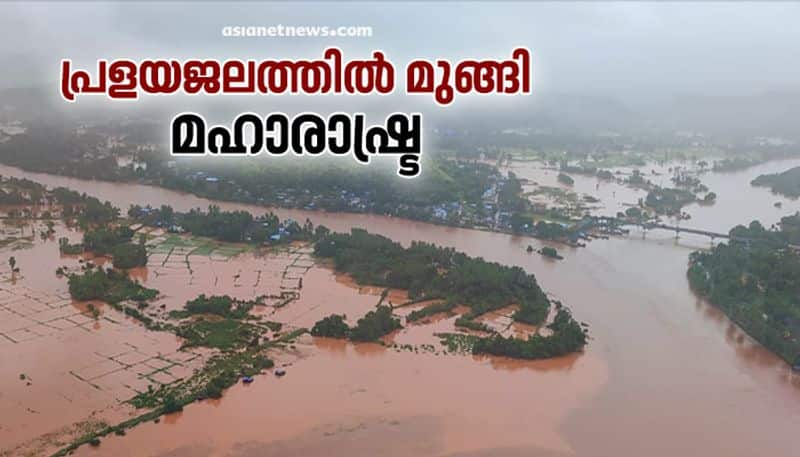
x=565 y=179
x=786 y=183
x=430 y=272
x=550 y=252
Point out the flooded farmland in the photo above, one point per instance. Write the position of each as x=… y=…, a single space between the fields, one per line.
x=661 y=362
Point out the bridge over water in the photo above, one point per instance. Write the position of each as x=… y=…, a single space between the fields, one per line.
x=612 y=221
x=678 y=229
x=712 y=235
x=652 y=225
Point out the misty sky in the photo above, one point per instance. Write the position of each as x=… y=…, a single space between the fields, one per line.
x=623 y=49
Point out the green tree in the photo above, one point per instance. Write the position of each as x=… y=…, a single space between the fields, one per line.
x=332 y=326
x=129 y=255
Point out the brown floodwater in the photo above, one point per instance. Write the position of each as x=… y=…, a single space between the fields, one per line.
x=63 y=367
x=664 y=374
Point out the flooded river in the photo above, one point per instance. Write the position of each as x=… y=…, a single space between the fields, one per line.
x=664 y=374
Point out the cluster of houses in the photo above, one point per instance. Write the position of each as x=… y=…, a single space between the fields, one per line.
x=444 y=211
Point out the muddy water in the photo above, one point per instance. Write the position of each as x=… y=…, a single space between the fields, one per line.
x=737 y=201
x=664 y=374
x=63 y=369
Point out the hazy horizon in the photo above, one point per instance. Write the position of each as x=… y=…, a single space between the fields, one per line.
x=726 y=66
x=625 y=50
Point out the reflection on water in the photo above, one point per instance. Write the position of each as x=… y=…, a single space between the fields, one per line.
x=662 y=368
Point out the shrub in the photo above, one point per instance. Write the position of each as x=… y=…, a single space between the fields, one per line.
x=332 y=326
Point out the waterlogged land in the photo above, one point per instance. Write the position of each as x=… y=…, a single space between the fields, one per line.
x=196 y=313
x=67 y=366
x=660 y=364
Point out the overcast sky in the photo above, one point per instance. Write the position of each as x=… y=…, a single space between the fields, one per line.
x=623 y=48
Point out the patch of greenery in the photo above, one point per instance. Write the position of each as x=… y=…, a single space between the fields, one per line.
x=668 y=201
x=375 y=324
x=550 y=230
x=435 y=308
x=428 y=271
x=220 y=372
x=786 y=183
x=371 y=327
x=756 y=283
x=532 y=315
x=220 y=305
x=458 y=342
x=102 y=240
x=466 y=322
x=227 y=226
x=551 y=252
x=567 y=337
x=224 y=334
x=107 y=285
x=129 y=255
x=332 y=326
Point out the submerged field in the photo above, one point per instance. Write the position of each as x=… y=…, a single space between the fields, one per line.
x=72 y=368
x=660 y=363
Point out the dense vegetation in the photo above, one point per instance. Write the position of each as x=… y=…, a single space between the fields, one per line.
x=756 y=283
x=224 y=334
x=222 y=322
x=472 y=324
x=567 y=337
x=102 y=240
x=129 y=255
x=332 y=326
x=430 y=310
x=668 y=201
x=220 y=305
x=786 y=183
x=373 y=325
x=107 y=285
x=74 y=206
x=15 y=191
x=431 y=272
x=114 y=241
x=228 y=226
x=551 y=252
x=551 y=230
x=86 y=210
